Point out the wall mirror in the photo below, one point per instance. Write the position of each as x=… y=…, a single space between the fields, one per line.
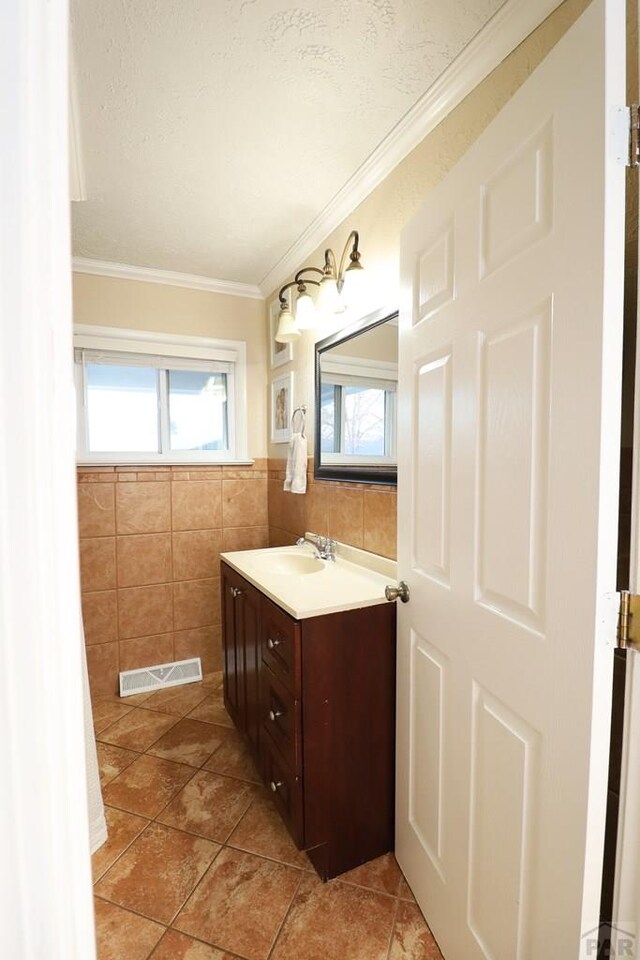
x=356 y=394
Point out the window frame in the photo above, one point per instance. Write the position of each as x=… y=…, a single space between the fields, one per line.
x=115 y=340
x=341 y=372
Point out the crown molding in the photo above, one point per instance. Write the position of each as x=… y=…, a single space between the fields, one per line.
x=126 y=271
x=503 y=33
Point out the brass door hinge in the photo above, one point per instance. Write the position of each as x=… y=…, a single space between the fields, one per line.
x=629 y=621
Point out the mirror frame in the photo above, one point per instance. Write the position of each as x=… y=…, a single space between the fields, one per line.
x=356 y=474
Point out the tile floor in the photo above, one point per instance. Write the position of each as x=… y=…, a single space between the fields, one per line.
x=198 y=865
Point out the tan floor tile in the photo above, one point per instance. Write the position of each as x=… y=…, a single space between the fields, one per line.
x=412 y=939
x=209 y=805
x=232 y=759
x=112 y=761
x=178 y=701
x=122 y=829
x=333 y=921
x=157 y=873
x=381 y=874
x=212 y=710
x=177 y=946
x=134 y=700
x=121 y=934
x=261 y=831
x=212 y=681
x=138 y=730
x=405 y=892
x=189 y=741
x=240 y=904
x=105 y=713
x=147 y=785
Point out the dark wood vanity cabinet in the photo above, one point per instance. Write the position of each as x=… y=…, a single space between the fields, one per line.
x=241 y=653
x=316 y=701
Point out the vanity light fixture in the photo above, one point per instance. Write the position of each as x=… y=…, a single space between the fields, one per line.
x=338 y=284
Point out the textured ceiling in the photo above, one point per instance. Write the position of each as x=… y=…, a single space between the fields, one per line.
x=214 y=131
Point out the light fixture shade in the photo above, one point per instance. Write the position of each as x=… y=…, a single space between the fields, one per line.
x=287 y=329
x=328 y=296
x=354 y=283
x=305 y=312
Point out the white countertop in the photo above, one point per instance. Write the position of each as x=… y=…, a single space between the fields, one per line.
x=355 y=579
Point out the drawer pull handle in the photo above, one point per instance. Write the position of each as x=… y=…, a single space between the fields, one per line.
x=274 y=714
x=271 y=643
x=236 y=592
x=275 y=785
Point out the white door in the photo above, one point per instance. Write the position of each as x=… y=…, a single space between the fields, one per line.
x=510 y=356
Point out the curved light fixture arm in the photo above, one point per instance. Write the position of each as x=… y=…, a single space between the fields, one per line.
x=300 y=279
x=330 y=268
x=283 y=290
x=354 y=255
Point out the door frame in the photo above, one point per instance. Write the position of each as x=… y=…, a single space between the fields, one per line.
x=45 y=871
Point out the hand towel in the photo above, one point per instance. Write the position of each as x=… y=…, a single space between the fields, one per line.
x=296 y=475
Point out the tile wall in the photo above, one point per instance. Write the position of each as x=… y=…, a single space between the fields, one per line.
x=150 y=541
x=361 y=514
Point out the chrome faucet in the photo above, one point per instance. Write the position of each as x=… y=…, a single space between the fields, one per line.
x=325 y=547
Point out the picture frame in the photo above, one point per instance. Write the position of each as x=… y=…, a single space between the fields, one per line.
x=280 y=353
x=281 y=408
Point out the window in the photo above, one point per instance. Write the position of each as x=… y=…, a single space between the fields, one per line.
x=150 y=398
x=357 y=417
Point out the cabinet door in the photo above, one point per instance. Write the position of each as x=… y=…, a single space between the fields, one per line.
x=247 y=612
x=234 y=672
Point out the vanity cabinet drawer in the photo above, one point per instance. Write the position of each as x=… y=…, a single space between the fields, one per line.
x=280 y=716
x=281 y=645
x=285 y=788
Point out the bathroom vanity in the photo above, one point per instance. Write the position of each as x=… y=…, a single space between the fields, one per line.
x=309 y=679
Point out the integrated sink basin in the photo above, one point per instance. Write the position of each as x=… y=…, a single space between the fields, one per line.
x=305 y=586
x=289 y=564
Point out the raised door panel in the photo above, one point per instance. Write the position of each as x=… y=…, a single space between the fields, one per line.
x=281 y=645
x=286 y=789
x=232 y=649
x=248 y=603
x=280 y=718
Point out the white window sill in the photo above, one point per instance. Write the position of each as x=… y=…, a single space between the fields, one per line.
x=165 y=462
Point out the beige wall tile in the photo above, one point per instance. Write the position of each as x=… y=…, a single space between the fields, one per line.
x=96 y=511
x=99 y=614
x=294 y=512
x=244 y=503
x=275 y=499
x=245 y=538
x=144 y=611
x=98 y=563
x=143 y=507
x=144 y=558
x=317 y=512
x=346 y=519
x=280 y=538
x=196 y=554
x=196 y=603
x=102 y=663
x=146 y=651
x=196 y=504
x=203 y=642
x=380 y=523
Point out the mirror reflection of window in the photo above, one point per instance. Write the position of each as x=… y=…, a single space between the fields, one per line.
x=358 y=399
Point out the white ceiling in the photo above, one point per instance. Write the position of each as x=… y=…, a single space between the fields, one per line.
x=214 y=131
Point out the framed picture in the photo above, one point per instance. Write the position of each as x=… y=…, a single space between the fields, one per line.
x=281 y=408
x=280 y=352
